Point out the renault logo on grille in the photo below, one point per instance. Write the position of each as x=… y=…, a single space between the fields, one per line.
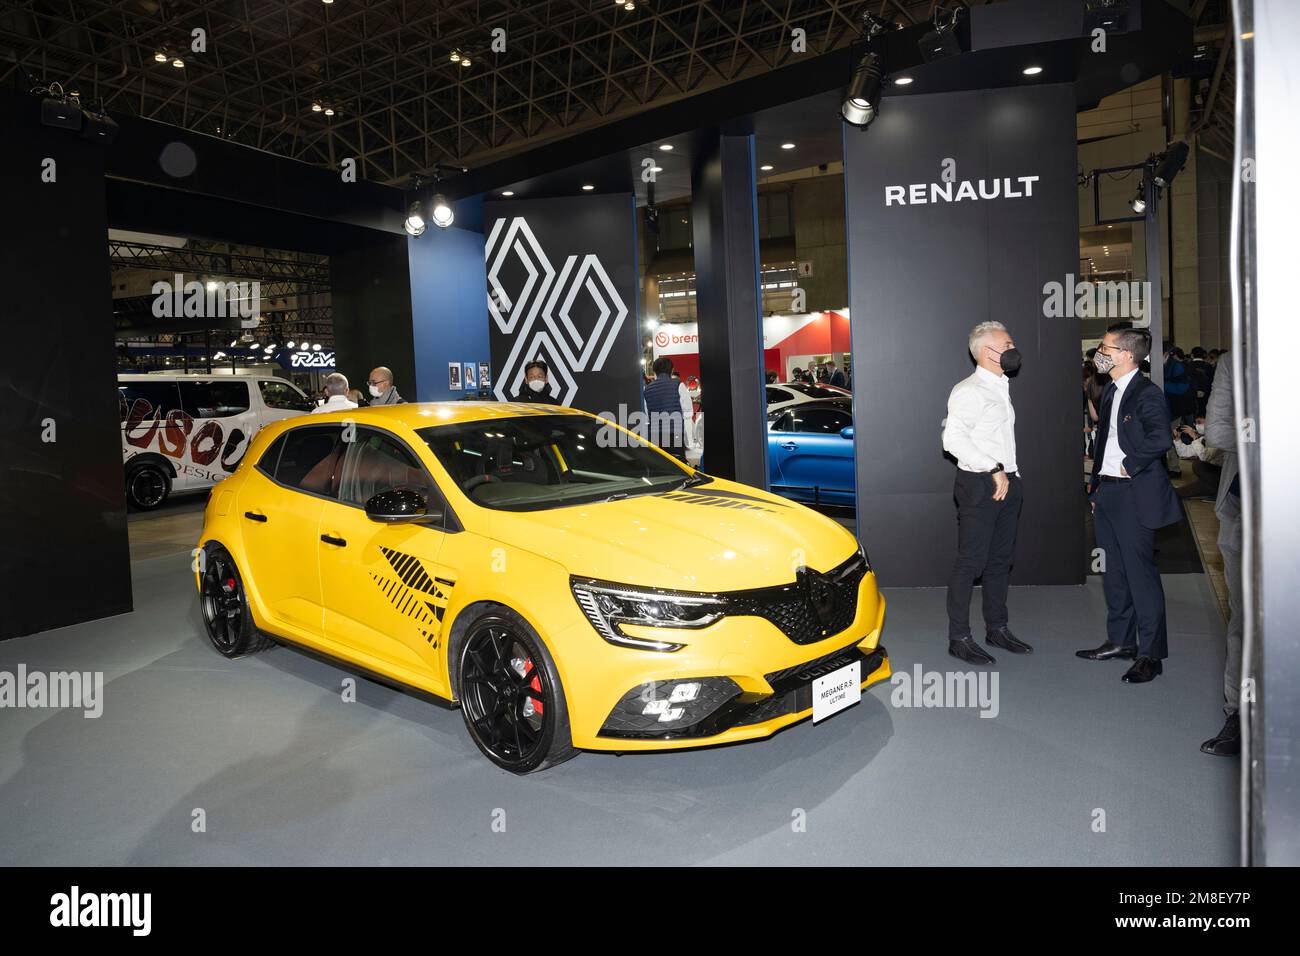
x=819 y=592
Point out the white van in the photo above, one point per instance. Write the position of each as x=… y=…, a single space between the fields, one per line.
x=187 y=432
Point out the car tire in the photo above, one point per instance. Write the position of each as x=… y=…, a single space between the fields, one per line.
x=147 y=485
x=510 y=693
x=223 y=602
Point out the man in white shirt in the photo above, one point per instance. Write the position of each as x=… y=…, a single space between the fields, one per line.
x=980 y=434
x=336 y=395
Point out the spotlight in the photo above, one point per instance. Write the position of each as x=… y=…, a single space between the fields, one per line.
x=787 y=145
x=862 y=99
x=629 y=6
x=1139 y=201
x=289 y=344
x=455 y=56
x=315 y=346
x=329 y=111
x=1110 y=15
x=160 y=57
x=60 y=109
x=465 y=60
x=1032 y=70
x=178 y=63
x=766 y=169
x=1169 y=164
x=588 y=188
x=316 y=107
x=99 y=126
x=443 y=216
x=942 y=41
x=903 y=81
x=415 y=224
x=508 y=193
x=667 y=147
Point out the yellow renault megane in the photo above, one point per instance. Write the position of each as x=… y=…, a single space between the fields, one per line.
x=568 y=585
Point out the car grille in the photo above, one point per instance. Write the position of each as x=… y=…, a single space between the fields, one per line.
x=794 y=608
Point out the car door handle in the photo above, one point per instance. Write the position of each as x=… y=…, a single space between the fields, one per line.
x=789 y=445
x=331 y=539
x=255 y=516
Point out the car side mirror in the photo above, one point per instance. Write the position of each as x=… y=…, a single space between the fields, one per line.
x=847 y=432
x=401 y=505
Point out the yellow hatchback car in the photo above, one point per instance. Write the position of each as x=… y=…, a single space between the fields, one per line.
x=568 y=585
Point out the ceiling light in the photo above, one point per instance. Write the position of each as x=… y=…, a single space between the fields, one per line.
x=455 y=56
x=903 y=81
x=1139 y=202
x=316 y=107
x=414 y=224
x=667 y=147
x=1169 y=164
x=289 y=344
x=656 y=169
x=508 y=193
x=329 y=111
x=862 y=98
x=588 y=188
x=766 y=169
x=178 y=63
x=465 y=60
x=160 y=57
x=443 y=216
x=787 y=145
x=1032 y=70
x=315 y=347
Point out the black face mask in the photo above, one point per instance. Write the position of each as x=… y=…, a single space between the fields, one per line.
x=1010 y=360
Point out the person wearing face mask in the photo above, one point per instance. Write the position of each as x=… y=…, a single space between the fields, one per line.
x=980 y=433
x=1131 y=497
x=382 y=391
x=536 y=388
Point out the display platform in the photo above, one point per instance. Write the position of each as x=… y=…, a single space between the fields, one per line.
x=201 y=760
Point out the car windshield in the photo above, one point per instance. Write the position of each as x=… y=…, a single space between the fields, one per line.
x=815 y=391
x=536 y=462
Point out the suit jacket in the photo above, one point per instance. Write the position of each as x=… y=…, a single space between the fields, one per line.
x=1221 y=433
x=1145 y=438
x=837 y=379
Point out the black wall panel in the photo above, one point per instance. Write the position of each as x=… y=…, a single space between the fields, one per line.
x=921 y=276
x=563 y=286
x=63 y=545
x=370 y=288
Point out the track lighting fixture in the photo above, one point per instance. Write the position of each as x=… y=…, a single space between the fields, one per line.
x=862 y=98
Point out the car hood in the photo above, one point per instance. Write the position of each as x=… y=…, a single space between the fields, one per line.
x=721 y=536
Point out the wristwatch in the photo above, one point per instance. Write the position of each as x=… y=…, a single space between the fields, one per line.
x=994 y=471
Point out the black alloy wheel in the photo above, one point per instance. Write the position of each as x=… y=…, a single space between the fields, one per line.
x=511 y=697
x=147 y=486
x=226 y=613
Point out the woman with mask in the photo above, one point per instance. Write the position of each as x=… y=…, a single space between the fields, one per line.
x=536 y=389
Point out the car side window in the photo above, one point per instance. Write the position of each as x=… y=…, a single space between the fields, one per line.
x=311 y=460
x=282 y=395
x=156 y=399
x=376 y=462
x=775 y=395
x=820 y=421
x=781 y=422
x=270 y=458
x=214 y=399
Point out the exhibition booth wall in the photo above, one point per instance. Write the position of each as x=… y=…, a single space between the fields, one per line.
x=961 y=207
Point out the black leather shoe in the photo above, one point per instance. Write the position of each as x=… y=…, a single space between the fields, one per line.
x=1228 y=741
x=1003 y=638
x=1144 y=669
x=1106 y=652
x=969 y=651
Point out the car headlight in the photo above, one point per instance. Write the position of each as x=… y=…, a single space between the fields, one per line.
x=608 y=606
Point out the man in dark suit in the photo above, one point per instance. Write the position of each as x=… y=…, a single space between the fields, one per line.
x=1131 y=497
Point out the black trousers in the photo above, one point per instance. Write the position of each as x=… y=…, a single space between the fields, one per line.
x=1135 y=598
x=986 y=541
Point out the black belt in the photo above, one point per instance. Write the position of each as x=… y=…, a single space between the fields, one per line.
x=1113 y=478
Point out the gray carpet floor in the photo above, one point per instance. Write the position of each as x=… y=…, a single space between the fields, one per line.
x=284 y=772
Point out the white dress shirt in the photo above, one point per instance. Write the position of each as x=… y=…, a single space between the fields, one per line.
x=1112 y=458
x=335 y=403
x=980 y=431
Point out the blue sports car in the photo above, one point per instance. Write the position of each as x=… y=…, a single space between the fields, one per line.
x=810 y=451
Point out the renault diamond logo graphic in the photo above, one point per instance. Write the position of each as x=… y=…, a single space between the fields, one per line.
x=819 y=591
x=540 y=314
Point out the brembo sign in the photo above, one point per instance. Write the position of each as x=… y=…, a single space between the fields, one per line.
x=950 y=189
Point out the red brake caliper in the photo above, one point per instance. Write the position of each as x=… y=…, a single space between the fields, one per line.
x=535 y=684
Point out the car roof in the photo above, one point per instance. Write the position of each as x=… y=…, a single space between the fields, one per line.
x=427 y=414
